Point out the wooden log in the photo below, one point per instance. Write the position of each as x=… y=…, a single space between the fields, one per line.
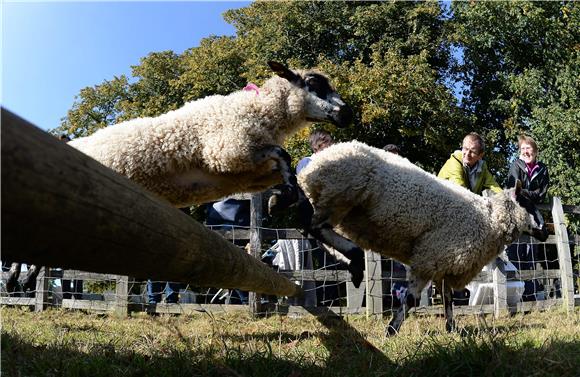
x=62 y=208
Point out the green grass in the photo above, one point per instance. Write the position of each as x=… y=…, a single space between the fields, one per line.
x=65 y=343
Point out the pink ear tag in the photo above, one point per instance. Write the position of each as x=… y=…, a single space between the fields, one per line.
x=252 y=86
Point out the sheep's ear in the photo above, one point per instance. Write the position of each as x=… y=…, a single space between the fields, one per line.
x=518 y=187
x=283 y=71
x=512 y=194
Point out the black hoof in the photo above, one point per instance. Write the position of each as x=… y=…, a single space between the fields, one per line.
x=282 y=198
x=357 y=267
x=391 y=331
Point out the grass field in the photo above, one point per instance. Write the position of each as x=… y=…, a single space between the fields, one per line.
x=65 y=343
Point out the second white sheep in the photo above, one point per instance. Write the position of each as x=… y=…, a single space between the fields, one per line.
x=364 y=197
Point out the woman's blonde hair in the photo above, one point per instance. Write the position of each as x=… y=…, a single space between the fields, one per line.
x=528 y=140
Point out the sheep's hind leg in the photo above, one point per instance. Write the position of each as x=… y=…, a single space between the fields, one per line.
x=448 y=305
x=323 y=231
x=409 y=300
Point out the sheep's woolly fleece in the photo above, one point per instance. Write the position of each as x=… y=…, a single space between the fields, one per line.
x=212 y=140
x=384 y=203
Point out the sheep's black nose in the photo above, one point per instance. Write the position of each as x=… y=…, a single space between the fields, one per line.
x=541 y=234
x=344 y=117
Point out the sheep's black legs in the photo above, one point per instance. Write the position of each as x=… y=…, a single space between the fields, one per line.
x=325 y=234
x=13 y=275
x=448 y=305
x=409 y=299
x=29 y=282
x=287 y=192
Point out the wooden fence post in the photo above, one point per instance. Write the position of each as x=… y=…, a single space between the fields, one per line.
x=122 y=296
x=499 y=289
x=254 y=299
x=41 y=294
x=374 y=283
x=564 y=256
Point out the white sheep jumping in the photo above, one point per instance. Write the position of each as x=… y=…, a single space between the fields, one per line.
x=384 y=203
x=219 y=145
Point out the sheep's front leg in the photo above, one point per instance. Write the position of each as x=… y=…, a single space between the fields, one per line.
x=409 y=300
x=29 y=282
x=13 y=275
x=283 y=161
x=286 y=193
x=320 y=228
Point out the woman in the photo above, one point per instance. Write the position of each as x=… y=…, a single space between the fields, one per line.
x=532 y=173
x=535 y=180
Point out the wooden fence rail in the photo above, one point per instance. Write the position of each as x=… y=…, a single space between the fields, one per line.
x=372 y=289
x=62 y=208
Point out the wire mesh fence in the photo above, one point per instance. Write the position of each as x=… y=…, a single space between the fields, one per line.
x=528 y=275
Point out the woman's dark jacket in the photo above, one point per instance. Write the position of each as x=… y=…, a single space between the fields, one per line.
x=535 y=187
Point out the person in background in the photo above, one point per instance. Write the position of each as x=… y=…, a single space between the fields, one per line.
x=155 y=289
x=533 y=175
x=319 y=140
x=228 y=214
x=392 y=148
x=467 y=168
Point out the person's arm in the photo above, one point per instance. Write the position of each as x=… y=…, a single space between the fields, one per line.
x=512 y=175
x=489 y=182
x=453 y=171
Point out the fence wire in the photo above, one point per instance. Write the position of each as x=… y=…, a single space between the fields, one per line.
x=531 y=272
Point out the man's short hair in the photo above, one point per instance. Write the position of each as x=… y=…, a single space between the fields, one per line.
x=392 y=148
x=320 y=139
x=474 y=136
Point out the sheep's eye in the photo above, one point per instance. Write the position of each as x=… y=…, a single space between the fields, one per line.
x=318 y=84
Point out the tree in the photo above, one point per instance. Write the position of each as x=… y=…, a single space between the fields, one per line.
x=387 y=59
x=516 y=62
x=520 y=69
x=95 y=107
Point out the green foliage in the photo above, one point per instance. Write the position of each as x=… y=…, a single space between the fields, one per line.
x=516 y=64
x=95 y=107
x=521 y=67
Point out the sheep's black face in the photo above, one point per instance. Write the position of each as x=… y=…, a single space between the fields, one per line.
x=334 y=108
x=539 y=230
x=323 y=102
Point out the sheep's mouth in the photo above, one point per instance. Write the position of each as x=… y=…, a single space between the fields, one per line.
x=343 y=117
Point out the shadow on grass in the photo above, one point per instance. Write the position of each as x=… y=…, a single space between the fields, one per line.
x=21 y=358
x=348 y=354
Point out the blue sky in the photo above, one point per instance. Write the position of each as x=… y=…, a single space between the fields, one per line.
x=51 y=50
